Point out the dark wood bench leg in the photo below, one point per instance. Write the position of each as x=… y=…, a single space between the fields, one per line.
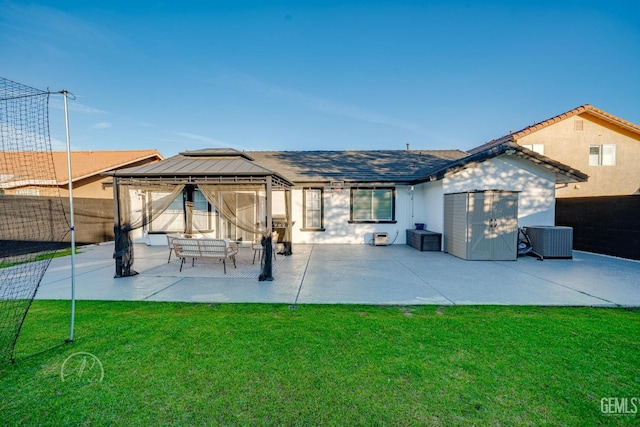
x=181 y=263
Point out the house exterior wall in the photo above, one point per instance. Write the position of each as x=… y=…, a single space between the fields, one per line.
x=535 y=184
x=338 y=230
x=565 y=142
x=429 y=205
x=90 y=188
x=425 y=204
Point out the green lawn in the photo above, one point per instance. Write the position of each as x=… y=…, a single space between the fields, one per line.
x=250 y=364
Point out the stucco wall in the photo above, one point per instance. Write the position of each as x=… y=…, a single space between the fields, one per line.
x=430 y=205
x=536 y=200
x=90 y=188
x=425 y=204
x=562 y=142
x=336 y=220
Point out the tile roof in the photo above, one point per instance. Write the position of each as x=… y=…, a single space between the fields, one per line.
x=583 y=109
x=35 y=167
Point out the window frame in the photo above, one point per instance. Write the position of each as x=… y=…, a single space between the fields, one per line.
x=353 y=191
x=305 y=226
x=601 y=155
x=536 y=148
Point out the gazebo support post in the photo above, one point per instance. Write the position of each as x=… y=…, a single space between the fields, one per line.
x=116 y=225
x=267 y=253
x=288 y=249
x=269 y=207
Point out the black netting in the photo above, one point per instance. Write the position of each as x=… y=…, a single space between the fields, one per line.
x=33 y=221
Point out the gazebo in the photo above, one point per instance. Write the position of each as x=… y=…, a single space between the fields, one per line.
x=222 y=192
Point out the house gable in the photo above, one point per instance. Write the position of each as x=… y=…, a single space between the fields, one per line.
x=563 y=173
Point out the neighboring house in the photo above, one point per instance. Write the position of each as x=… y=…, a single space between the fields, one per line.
x=27 y=173
x=347 y=196
x=605 y=147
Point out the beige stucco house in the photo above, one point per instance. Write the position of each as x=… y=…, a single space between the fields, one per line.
x=605 y=147
x=28 y=173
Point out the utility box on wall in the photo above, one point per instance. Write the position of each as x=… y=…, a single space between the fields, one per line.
x=380 y=239
x=482 y=225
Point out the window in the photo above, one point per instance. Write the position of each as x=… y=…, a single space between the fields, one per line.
x=203 y=218
x=313 y=209
x=538 y=148
x=372 y=205
x=172 y=219
x=245 y=207
x=28 y=192
x=602 y=155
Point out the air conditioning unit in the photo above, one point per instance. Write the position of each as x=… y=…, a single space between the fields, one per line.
x=380 y=239
x=551 y=242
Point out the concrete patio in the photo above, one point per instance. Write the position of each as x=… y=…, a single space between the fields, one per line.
x=352 y=274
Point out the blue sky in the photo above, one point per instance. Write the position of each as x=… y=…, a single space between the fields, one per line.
x=319 y=75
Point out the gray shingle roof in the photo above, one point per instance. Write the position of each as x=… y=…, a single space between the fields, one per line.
x=351 y=166
x=366 y=166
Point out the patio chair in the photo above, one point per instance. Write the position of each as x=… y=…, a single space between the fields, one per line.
x=170 y=239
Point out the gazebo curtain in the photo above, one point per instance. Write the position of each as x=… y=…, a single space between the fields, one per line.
x=228 y=208
x=242 y=205
x=229 y=203
x=153 y=201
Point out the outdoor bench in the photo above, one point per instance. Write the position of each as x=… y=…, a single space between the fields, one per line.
x=205 y=249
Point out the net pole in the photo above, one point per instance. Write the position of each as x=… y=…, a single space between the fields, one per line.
x=71 y=220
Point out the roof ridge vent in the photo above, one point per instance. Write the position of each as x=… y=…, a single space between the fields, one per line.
x=216 y=152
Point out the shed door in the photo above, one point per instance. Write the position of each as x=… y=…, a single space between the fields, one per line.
x=505 y=226
x=479 y=228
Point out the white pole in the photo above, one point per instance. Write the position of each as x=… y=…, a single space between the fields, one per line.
x=71 y=221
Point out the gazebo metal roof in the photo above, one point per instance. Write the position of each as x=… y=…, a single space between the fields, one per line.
x=209 y=166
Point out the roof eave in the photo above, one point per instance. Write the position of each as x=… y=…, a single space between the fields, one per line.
x=564 y=174
x=112 y=167
x=195 y=178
